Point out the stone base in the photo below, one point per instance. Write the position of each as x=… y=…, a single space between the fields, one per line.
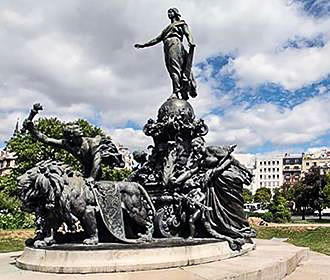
x=102 y=259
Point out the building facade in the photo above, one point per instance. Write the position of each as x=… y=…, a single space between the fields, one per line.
x=7 y=162
x=292 y=168
x=317 y=159
x=268 y=173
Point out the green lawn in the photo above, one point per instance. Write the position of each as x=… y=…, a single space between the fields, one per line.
x=313 y=221
x=13 y=240
x=318 y=239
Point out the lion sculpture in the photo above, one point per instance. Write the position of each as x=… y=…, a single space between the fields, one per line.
x=60 y=196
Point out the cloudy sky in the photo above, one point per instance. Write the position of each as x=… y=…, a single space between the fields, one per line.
x=263 y=67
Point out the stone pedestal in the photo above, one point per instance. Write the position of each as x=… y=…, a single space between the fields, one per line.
x=113 y=258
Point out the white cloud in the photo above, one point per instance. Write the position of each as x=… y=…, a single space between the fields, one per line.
x=77 y=58
x=316 y=150
x=267 y=123
x=133 y=139
x=293 y=68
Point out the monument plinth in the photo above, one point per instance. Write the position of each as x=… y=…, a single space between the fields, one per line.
x=105 y=258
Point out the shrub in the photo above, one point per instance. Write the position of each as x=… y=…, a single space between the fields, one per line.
x=279 y=209
x=267 y=217
x=18 y=220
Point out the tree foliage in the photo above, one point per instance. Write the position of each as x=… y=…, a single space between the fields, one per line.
x=279 y=207
x=326 y=191
x=247 y=195
x=262 y=195
x=311 y=191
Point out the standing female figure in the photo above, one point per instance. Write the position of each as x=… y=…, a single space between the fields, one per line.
x=178 y=61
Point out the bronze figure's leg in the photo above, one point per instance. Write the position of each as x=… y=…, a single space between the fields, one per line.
x=90 y=226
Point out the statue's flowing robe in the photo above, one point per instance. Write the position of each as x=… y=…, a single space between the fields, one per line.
x=176 y=55
x=224 y=194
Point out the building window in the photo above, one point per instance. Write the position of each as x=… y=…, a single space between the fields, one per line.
x=269 y=169
x=273 y=169
x=277 y=162
x=273 y=162
x=278 y=170
x=265 y=169
x=260 y=162
x=307 y=163
x=260 y=184
x=314 y=163
x=273 y=176
x=260 y=170
x=260 y=176
x=265 y=162
x=278 y=176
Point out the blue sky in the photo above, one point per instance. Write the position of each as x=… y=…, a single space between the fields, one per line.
x=262 y=67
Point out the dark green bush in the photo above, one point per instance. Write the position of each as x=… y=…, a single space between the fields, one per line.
x=267 y=217
x=18 y=220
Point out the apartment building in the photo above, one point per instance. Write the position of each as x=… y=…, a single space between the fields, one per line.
x=318 y=159
x=292 y=168
x=7 y=162
x=268 y=172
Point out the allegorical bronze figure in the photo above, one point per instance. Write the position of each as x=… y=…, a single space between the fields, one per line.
x=178 y=61
x=183 y=188
x=90 y=152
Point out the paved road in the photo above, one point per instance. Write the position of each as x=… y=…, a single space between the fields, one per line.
x=271 y=260
x=317 y=267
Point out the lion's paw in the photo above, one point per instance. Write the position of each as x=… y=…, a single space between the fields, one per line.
x=145 y=237
x=91 y=241
x=39 y=244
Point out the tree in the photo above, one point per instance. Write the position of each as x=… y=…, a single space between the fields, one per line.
x=262 y=195
x=247 y=195
x=301 y=199
x=310 y=192
x=8 y=193
x=279 y=208
x=326 y=191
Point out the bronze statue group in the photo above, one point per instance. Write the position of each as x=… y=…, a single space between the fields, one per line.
x=182 y=188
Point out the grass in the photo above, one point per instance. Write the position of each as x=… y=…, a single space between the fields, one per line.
x=13 y=240
x=312 y=221
x=317 y=239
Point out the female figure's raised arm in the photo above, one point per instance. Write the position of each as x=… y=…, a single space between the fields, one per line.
x=151 y=43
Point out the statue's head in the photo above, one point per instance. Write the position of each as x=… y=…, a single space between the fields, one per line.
x=198 y=144
x=36 y=185
x=173 y=13
x=72 y=131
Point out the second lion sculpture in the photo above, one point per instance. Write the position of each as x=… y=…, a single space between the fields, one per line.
x=60 y=196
